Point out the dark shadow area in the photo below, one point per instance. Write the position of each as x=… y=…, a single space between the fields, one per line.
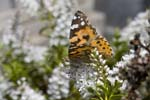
x=118 y=11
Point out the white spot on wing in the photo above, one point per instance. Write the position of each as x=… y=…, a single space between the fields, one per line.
x=74 y=26
x=82 y=23
x=74 y=17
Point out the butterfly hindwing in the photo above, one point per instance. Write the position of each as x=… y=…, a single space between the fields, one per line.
x=102 y=45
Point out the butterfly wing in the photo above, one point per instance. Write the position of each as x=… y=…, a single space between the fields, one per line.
x=102 y=46
x=81 y=34
x=83 y=38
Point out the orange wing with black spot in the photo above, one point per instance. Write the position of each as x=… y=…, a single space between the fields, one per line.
x=83 y=38
x=102 y=45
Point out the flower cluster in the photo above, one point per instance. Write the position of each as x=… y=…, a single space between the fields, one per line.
x=106 y=80
x=84 y=77
x=34 y=53
x=14 y=36
x=63 y=15
x=17 y=57
x=4 y=86
x=102 y=69
x=58 y=86
x=93 y=75
x=14 y=32
x=30 y=6
x=61 y=10
x=139 y=25
x=25 y=92
x=134 y=67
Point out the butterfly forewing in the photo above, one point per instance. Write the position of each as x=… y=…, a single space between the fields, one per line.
x=79 y=22
x=81 y=34
x=83 y=38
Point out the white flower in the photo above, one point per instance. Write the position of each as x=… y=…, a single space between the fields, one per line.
x=32 y=6
x=56 y=41
x=120 y=64
x=124 y=85
x=113 y=75
x=7 y=38
x=15 y=36
x=137 y=26
x=34 y=53
x=143 y=52
x=84 y=77
x=112 y=79
x=4 y=87
x=126 y=59
x=58 y=84
x=62 y=10
x=13 y=32
x=25 y=92
x=113 y=71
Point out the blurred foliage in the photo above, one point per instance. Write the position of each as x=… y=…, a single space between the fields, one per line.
x=46 y=16
x=54 y=56
x=74 y=94
x=48 y=28
x=14 y=67
x=120 y=47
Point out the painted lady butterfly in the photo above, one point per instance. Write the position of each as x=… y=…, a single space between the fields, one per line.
x=83 y=39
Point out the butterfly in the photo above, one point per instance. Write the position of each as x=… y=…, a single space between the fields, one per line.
x=84 y=38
